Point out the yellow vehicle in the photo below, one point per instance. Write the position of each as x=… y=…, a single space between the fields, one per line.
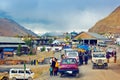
x=4 y=76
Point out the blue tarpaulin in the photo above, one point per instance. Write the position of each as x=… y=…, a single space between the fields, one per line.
x=67 y=47
x=85 y=47
x=8 y=49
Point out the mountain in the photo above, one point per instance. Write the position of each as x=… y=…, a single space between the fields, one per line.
x=9 y=27
x=109 y=24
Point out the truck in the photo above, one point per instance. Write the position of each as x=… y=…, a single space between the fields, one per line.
x=99 y=60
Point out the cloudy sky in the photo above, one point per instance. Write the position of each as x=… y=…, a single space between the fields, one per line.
x=57 y=15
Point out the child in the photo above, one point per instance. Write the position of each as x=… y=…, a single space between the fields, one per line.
x=56 y=68
x=51 y=70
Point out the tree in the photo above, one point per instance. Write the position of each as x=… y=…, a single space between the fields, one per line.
x=79 y=39
x=50 y=41
x=43 y=49
x=19 y=50
x=67 y=38
x=28 y=42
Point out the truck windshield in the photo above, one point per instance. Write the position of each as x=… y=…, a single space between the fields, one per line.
x=72 y=54
x=99 y=55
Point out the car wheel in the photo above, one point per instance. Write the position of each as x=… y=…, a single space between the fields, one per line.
x=5 y=78
x=77 y=75
x=30 y=78
x=60 y=74
x=93 y=67
x=13 y=78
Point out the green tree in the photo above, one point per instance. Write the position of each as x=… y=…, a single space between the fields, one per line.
x=79 y=39
x=50 y=41
x=43 y=49
x=28 y=41
x=67 y=37
x=19 y=50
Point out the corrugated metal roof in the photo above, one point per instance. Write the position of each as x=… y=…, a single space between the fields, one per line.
x=12 y=46
x=98 y=36
x=10 y=40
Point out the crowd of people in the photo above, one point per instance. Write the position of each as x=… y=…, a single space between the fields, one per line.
x=83 y=57
x=53 y=67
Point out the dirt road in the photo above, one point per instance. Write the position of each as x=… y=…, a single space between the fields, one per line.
x=87 y=73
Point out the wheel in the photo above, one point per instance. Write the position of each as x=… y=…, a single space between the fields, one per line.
x=60 y=74
x=5 y=78
x=77 y=75
x=93 y=67
x=13 y=78
x=30 y=78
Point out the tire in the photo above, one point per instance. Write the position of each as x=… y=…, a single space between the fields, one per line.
x=5 y=78
x=30 y=78
x=77 y=75
x=13 y=78
x=93 y=67
x=60 y=74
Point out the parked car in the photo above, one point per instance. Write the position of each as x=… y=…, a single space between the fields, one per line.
x=18 y=73
x=69 y=66
x=70 y=53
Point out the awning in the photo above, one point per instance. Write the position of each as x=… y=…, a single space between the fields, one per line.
x=8 y=49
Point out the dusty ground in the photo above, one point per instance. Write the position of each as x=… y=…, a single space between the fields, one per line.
x=87 y=73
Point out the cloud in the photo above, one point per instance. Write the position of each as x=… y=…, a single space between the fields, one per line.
x=57 y=15
x=68 y=21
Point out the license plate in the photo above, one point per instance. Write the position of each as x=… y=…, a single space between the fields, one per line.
x=99 y=64
x=70 y=72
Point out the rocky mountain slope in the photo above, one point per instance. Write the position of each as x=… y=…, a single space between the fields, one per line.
x=9 y=27
x=109 y=24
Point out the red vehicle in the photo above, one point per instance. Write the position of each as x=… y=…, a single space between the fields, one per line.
x=69 y=66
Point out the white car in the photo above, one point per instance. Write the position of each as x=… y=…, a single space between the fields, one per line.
x=70 y=53
x=16 y=73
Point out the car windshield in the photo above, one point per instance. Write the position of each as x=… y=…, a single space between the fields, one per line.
x=72 y=54
x=99 y=55
x=68 y=61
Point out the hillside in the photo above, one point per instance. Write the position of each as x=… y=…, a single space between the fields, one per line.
x=109 y=24
x=9 y=27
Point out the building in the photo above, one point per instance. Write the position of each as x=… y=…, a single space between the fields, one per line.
x=10 y=44
x=90 y=38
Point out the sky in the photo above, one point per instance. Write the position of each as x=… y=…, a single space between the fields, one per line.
x=42 y=16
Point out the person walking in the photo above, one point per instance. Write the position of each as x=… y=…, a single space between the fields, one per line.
x=108 y=56
x=86 y=58
x=51 y=70
x=53 y=65
x=56 y=68
x=80 y=58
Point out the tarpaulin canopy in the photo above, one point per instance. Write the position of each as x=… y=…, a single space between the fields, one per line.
x=85 y=47
x=67 y=47
x=8 y=49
